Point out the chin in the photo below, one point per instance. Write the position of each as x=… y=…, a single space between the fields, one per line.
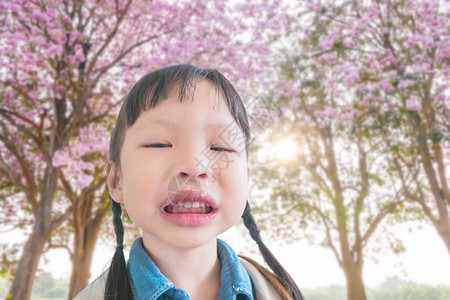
x=192 y=241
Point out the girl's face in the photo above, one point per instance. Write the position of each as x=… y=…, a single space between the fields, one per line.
x=177 y=146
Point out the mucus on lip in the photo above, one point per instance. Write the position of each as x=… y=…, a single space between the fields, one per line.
x=202 y=194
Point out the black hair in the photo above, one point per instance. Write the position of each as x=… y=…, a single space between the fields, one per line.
x=269 y=258
x=146 y=94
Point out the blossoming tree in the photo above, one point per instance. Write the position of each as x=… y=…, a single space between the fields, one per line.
x=64 y=67
x=396 y=54
x=366 y=88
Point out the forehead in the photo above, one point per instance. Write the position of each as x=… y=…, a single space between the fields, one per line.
x=203 y=107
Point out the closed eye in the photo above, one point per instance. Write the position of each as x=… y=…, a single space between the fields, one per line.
x=219 y=149
x=157 y=146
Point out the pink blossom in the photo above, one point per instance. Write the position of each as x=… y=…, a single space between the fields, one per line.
x=319 y=114
x=13 y=7
x=386 y=85
x=440 y=97
x=293 y=91
x=75 y=35
x=288 y=85
x=53 y=51
x=331 y=112
x=41 y=16
x=364 y=102
x=80 y=57
x=417 y=58
x=40 y=41
x=388 y=59
x=392 y=74
x=79 y=52
x=351 y=77
x=376 y=53
x=413 y=104
x=406 y=83
x=86 y=166
x=63 y=39
x=60 y=159
x=30 y=58
x=429 y=43
x=16 y=37
x=338 y=92
x=355 y=33
x=349 y=44
x=329 y=40
x=67 y=20
x=295 y=101
x=277 y=94
x=414 y=40
x=443 y=86
x=83 y=180
x=328 y=57
x=367 y=98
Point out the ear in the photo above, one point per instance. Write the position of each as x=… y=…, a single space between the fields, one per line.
x=114 y=182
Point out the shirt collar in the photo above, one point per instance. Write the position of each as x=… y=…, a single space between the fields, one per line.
x=234 y=279
x=148 y=282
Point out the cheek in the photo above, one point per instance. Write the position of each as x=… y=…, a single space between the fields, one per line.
x=237 y=187
x=140 y=180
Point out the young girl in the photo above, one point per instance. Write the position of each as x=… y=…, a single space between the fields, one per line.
x=177 y=163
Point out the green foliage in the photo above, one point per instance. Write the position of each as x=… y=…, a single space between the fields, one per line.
x=56 y=292
x=43 y=283
x=392 y=289
x=419 y=292
x=46 y=286
x=8 y=261
x=5 y=283
x=326 y=293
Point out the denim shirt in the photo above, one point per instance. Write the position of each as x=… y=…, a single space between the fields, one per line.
x=148 y=283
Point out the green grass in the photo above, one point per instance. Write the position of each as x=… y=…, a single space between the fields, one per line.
x=47 y=298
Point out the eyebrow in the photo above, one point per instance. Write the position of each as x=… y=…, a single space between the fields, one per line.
x=175 y=124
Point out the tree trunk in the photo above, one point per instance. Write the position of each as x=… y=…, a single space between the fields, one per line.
x=443 y=230
x=437 y=180
x=24 y=278
x=82 y=259
x=355 y=283
x=87 y=219
x=28 y=263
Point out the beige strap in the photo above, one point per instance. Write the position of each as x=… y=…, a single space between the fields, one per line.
x=272 y=278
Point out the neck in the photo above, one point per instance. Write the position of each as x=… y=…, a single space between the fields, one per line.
x=195 y=270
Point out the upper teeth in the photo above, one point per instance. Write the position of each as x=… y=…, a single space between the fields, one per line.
x=189 y=204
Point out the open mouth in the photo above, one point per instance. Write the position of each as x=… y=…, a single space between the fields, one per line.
x=188 y=207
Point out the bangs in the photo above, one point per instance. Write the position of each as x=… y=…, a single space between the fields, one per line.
x=155 y=86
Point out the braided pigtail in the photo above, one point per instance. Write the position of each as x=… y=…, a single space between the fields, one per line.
x=269 y=258
x=118 y=285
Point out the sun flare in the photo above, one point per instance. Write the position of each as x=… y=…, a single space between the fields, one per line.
x=286 y=149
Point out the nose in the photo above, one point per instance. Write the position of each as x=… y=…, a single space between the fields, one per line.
x=193 y=166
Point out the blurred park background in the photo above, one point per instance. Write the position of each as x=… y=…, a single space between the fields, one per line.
x=348 y=103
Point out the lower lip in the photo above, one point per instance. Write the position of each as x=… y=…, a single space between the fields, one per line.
x=189 y=219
